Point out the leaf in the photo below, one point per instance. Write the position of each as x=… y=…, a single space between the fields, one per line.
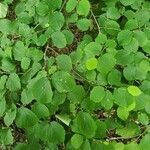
x=25 y=63
x=6 y=137
x=93 y=49
x=84 y=24
x=97 y=94
x=58 y=133
x=69 y=36
x=3 y=10
x=2 y=106
x=59 y=39
x=42 y=9
x=25 y=118
x=40 y=110
x=13 y=82
x=141 y=37
x=106 y=63
x=91 y=64
x=143 y=119
x=134 y=90
x=85 y=124
x=144 y=144
x=122 y=113
x=83 y=7
x=130 y=130
x=122 y=37
x=64 y=118
x=127 y=2
x=113 y=13
x=101 y=129
x=64 y=62
x=71 y=4
x=42 y=90
x=56 y=21
x=10 y=115
x=76 y=140
x=124 y=99
x=114 y=77
x=63 y=81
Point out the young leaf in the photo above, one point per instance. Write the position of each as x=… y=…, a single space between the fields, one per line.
x=134 y=90
x=91 y=64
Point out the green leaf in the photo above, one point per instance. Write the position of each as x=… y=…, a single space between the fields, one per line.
x=25 y=63
x=40 y=110
x=71 y=4
x=134 y=90
x=58 y=133
x=101 y=129
x=6 y=137
x=63 y=81
x=2 y=106
x=59 y=39
x=124 y=99
x=84 y=24
x=141 y=37
x=91 y=63
x=144 y=144
x=42 y=9
x=114 y=77
x=25 y=118
x=93 y=49
x=122 y=37
x=146 y=47
x=127 y=2
x=10 y=115
x=129 y=130
x=84 y=124
x=64 y=62
x=42 y=90
x=3 y=80
x=122 y=113
x=3 y=10
x=56 y=21
x=26 y=96
x=13 y=82
x=69 y=36
x=132 y=146
x=113 y=13
x=64 y=118
x=106 y=63
x=76 y=140
x=97 y=94
x=77 y=94
x=83 y=7
x=111 y=27
x=143 y=119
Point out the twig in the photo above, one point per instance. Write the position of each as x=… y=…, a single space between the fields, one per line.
x=45 y=56
x=63 y=5
x=95 y=21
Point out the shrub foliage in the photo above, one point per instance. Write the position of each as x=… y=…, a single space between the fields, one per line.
x=75 y=74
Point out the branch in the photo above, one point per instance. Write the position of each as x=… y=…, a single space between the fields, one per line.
x=95 y=21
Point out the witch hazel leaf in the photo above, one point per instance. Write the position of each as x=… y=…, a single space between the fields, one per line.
x=134 y=90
